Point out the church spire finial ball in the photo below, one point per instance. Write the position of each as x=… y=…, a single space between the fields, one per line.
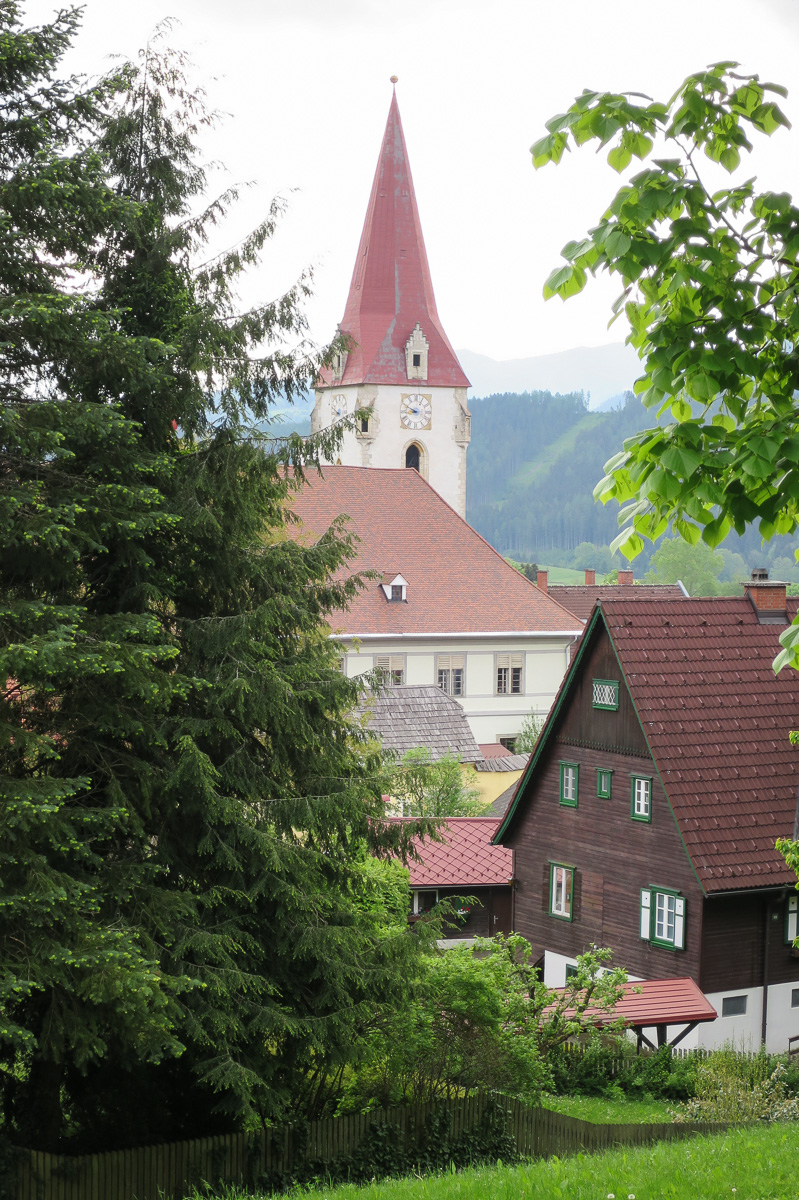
x=394 y=79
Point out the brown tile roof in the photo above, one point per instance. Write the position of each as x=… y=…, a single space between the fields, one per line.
x=717 y=720
x=457 y=583
x=412 y=716
x=466 y=858
x=581 y=598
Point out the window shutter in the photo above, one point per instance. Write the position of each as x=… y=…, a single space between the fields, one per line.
x=679 y=923
x=547 y=888
x=577 y=894
x=646 y=902
x=792 y=919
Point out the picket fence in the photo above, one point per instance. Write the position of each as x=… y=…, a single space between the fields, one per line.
x=169 y=1172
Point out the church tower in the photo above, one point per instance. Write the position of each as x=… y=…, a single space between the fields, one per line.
x=400 y=367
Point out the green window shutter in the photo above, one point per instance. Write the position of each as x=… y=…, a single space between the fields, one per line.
x=604 y=779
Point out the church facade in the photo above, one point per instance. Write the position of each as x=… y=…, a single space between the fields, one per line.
x=399 y=371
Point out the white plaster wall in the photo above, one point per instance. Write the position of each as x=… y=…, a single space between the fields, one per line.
x=444 y=443
x=489 y=716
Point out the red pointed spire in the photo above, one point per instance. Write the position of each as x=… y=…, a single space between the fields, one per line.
x=391 y=288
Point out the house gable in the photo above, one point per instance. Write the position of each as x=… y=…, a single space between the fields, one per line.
x=612 y=852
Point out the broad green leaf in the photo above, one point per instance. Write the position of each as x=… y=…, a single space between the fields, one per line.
x=715 y=533
x=629 y=542
x=619 y=157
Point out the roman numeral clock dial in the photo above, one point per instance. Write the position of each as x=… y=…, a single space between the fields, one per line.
x=416 y=411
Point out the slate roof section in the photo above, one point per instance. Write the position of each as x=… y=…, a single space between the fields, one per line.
x=581 y=598
x=410 y=716
x=717 y=721
x=466 y=858
x=502 y=802
x=457 y=582
x=391 y=286
x=509 y=762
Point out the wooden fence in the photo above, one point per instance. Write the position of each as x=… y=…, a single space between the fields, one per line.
x=168 y=1172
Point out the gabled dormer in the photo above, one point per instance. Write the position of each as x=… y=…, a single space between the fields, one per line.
x=417 y=349
x=395 y=587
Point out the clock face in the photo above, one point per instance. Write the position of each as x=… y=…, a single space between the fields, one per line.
x=416 y=411
x=338 y=407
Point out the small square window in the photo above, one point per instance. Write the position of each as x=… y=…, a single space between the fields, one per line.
x=733 y=1006
x=794 y=997
x=423 y=902
x=391 y=668
x=571 y=971
x=396 y=591
x=604 y=778
x=641 y=798
x=509 y=743
x=569 y=774
x=449 y=673
x=509 y=674
x=605 y=694
x=561 y=888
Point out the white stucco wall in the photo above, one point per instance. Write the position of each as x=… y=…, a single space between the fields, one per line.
x=490 y=716
x=742 y=1031
x=443 y=445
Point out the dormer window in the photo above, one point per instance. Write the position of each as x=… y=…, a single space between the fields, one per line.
x=416 y=351
x=395 y=587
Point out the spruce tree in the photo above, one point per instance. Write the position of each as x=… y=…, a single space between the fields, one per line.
x=186 y=915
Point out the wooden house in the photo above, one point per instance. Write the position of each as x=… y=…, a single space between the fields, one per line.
x=647 y=817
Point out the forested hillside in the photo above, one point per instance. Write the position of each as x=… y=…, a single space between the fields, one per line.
x=533 y=461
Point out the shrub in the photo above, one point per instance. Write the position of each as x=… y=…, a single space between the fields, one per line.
x=730 y=1086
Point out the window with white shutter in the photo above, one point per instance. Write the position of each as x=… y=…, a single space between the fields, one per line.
x=662 y=917
x=792 y=920
x=450 y=672
x=641 y=798
x=509 y=669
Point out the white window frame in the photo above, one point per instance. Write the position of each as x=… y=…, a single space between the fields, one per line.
x=569 y=784
x=641 y=797
x=605 y=694
x=451 y=674
x=792 y=919
x=390 y=666
x=658 y=901
x=508 y=664
x=561 y=891
x=416 y=893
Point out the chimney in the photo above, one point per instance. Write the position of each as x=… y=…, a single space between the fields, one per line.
x=625 y=577
x=541 y=579
x=767 y=597
x=590 y=577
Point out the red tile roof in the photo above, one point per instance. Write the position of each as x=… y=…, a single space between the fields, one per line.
x=391 y=287
x=581 y=598
x=717 y=721
x=465 y=859
x=457 y=583
x=658 y=1002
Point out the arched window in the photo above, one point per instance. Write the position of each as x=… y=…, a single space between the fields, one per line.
x=412 y=457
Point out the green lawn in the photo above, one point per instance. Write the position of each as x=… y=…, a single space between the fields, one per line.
x=604 y=1111
x=746 y=1164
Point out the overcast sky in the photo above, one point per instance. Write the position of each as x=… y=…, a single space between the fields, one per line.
x=305 y=86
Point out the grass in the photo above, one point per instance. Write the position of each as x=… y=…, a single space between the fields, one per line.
x=745 y=1164
x=606 y=1111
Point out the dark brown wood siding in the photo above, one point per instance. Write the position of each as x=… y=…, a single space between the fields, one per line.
x=490 y=902
x=733 y=945
x=614 y=855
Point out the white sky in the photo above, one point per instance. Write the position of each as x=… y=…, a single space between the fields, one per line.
x=306 y=86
